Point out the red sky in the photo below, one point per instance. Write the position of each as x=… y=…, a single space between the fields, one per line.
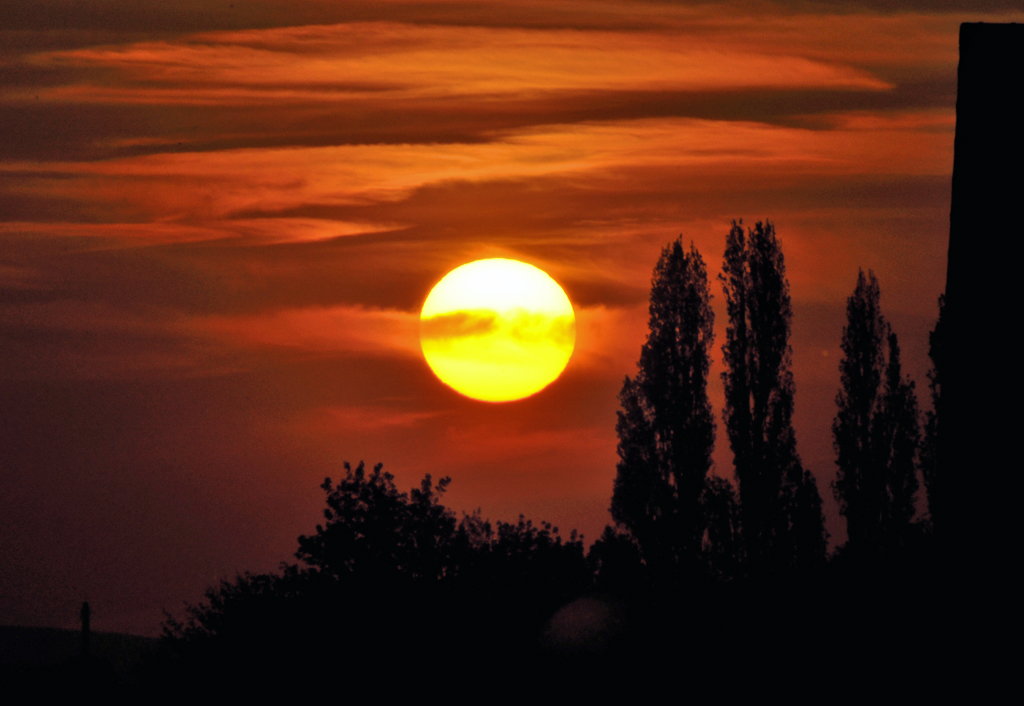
x=220 y=220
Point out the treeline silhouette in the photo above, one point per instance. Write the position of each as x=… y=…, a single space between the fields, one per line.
x=688 y=524
x=711 y=577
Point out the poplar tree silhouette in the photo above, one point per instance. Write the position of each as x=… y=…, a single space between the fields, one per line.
x=722 y=541
x=897 y=440
x=666 y=427
x=930 y=442
x=780 y=508
x=876 y=432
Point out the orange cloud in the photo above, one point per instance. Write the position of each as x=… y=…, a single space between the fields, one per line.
x=248 y=230
x=459 y=324
x=392 y=60
x=215 y=185
x=358 y=420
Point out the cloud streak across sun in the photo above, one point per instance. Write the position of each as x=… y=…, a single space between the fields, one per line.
x=522 y=326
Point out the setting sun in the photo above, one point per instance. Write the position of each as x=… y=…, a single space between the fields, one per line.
x=497 y=330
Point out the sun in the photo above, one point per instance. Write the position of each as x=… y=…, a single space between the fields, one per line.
x=497 y=330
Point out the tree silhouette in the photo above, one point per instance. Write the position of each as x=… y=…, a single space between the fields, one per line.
x=391 y=543
x=779 y=501
x=876 y=431
x=375 y=533
x=666 y=427
x=616 y=562
x=522 y=576
x=897 y=440
x=930 y=443
x=390 y=580
x=722 y=539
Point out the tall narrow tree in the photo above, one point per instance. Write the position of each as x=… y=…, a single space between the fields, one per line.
x=930 y=443
x=898 y=437
x=780 y=508
x=666 y=428
x=859 y=485
x=876 y=431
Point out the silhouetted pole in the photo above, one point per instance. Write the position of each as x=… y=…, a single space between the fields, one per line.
x=85 y=630
x=979 y=452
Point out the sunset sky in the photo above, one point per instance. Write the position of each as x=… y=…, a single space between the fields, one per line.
x=220 y=221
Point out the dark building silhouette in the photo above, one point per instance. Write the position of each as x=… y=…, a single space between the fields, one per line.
x=973 y=511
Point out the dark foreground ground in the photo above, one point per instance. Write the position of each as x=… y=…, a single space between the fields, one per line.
x=909 y=633
x=49 y=657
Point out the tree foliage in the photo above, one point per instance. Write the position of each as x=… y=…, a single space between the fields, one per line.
x=722 y=540
x=375 y=533
x=930 y=443
x=876 y=432
x=779 y=501
x=616 y=562
x=666 y=427
x=397 y=577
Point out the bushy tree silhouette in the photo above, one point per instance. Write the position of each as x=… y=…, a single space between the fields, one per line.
x=876 y=431
x=375 y=533
x=666 y=428
x=780 y=508
x=396 y=576
x=616 y=562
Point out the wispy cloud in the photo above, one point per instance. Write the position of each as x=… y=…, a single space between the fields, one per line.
x=359 y=420
x=392 y=61
x=518 y=325
x=216 y=185
x=460 y=324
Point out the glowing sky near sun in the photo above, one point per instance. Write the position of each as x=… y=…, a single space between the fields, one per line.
x=220 y=223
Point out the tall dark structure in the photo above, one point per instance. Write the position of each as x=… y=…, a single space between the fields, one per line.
x=974 y=512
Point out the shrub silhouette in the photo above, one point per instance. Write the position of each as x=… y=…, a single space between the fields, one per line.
x=389 y=581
